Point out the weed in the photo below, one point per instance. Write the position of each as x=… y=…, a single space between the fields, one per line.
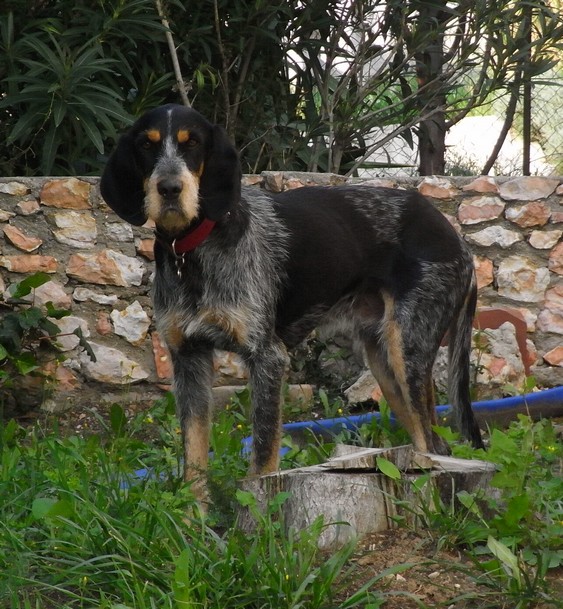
x=100 y=521
x=512 y=532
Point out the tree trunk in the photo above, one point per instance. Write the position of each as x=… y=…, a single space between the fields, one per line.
x=432 y=145
x=353 y=496
x=431 y=92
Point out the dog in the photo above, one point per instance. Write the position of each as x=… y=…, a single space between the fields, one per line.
x=254 y=273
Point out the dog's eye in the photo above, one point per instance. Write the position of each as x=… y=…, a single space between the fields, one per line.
x=191 y=143
x=146 y=144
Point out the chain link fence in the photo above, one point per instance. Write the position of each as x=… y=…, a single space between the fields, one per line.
x=546 y=124
x=470 y=142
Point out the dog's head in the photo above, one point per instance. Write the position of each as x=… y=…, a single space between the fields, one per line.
x=173 y=167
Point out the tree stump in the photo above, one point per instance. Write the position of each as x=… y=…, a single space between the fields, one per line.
x=354 y=498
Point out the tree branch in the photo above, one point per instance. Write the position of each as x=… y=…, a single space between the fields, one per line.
x=173 y=54
x=510 y=112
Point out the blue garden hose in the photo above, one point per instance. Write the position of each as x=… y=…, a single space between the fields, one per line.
x=546 y=403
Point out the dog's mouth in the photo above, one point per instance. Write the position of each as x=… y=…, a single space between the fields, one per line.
x=172 y=219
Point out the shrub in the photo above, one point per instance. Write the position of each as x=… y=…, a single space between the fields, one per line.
x=28 y=336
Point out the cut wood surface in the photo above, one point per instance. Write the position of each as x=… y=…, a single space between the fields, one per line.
x=355 y=499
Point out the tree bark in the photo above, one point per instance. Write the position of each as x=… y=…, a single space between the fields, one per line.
x=432 y=145
x=356 y=499
x=431 y=92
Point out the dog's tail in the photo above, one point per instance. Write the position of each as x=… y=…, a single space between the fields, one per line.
x=459 y=351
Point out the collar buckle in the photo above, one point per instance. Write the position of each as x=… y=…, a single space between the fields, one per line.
x=179 y=259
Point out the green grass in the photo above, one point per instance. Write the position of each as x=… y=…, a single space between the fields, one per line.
x=79 y=528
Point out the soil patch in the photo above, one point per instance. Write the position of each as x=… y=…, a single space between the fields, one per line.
x=437 y=578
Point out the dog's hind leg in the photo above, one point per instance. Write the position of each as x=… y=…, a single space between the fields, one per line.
x=408 y=413
x=193 y=379
x=267 y=369
x=402 y=362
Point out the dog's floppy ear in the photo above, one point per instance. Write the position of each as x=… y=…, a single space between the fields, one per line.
x=122 y=183
x=219 y=187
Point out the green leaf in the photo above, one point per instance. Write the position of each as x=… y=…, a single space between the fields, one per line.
x=46 y=325
x=84 y=343
x=59 y=112
x=25 y=363
x=516 y=509
x=388 y=469
x=11 y=333
x=24 y=287
x=118 y=419
x=48 y=507
x=420 y=482
x=94 y=135
x=30 y=318
x=245 y=498
x=51 y=144
x=468 y=501
x=505 y=556
x=41 y=507
x=445 y=432
x=55 y=313
x=276 y=503
x=3 y=353
x=502 y=442
x=181 y=585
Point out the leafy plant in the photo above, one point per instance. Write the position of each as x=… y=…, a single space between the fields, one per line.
x=64 y=101
x=84 y=529
x=513 y=532
x=28 y=338
x=67 y=74
x=299 y=86
x=102 y=521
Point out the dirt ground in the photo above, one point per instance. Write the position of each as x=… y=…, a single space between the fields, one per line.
x=438 y=578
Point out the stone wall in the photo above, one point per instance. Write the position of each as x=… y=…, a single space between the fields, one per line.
x=101 y=271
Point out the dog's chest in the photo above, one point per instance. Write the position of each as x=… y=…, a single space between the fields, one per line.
x=221 y=304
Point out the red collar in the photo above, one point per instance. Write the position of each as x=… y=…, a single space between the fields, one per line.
x=194 y=238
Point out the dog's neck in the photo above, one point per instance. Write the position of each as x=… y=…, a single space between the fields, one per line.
x=180 y=246
x=193 y=238
x=189 y=241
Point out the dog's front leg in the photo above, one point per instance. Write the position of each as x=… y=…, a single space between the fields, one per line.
x=267 y=367
x=193 y=380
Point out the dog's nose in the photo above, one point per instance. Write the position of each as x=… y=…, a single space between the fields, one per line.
x=169 y=188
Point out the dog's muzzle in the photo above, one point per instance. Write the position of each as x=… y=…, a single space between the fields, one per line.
x=169 y=188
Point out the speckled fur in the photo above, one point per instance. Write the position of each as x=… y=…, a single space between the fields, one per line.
x=381 y=265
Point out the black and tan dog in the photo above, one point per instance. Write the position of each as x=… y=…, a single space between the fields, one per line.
x=254 y=273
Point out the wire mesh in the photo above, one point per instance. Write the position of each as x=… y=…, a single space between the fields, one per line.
x=470 y=142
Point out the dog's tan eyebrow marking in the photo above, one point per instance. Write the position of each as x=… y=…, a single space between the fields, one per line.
x=154 y=135
x=183 y=136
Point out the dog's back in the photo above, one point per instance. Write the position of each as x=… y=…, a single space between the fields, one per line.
x=352 y=242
